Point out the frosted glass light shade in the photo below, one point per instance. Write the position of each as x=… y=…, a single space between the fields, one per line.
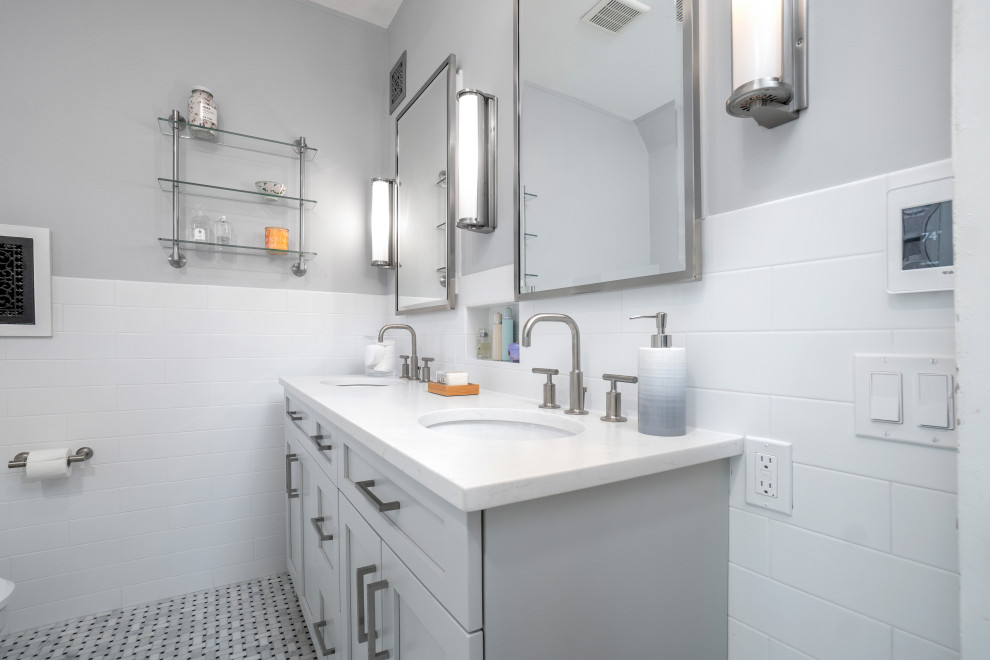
x=382 y=223
x=757 y=40
x=467 y=155
x=476 y=147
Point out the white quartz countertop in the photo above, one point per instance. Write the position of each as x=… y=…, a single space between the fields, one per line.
x=481 y=473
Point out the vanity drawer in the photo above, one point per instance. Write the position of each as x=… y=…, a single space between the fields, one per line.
x=441 y=545
x=325 y=628
x=299 y=417
x=318 y=436
x=321 y=529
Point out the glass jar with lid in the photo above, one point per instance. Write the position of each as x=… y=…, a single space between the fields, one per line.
x=202 y=113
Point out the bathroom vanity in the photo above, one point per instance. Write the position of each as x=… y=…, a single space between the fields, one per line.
x=427 y=527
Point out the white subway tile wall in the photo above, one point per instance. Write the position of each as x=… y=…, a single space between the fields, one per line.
x=866 y=566
x=175 y=388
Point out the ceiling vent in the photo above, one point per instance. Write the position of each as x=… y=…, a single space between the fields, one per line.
x=613 y=15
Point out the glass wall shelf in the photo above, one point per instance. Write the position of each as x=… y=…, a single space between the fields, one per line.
x=239 y=140
x=206 y=190
x=202 y=246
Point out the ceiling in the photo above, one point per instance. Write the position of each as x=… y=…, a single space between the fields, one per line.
x=378 y=12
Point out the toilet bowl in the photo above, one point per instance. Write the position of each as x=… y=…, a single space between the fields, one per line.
x=6 y=591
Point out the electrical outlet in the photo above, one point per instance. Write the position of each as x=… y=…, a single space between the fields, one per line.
x=768 y=474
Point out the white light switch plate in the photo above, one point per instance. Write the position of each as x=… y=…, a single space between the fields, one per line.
x=769 y=475
x=918 y=408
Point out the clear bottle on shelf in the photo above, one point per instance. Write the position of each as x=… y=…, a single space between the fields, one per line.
x=484 y=345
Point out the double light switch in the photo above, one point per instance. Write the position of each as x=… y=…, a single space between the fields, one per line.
x=906 y=397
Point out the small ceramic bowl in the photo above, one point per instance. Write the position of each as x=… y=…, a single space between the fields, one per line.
x=270 y=187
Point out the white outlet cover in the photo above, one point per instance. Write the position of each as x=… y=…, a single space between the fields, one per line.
x=781 y=451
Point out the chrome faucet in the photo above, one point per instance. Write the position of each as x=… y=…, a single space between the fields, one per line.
x=409 y=372
x=576 y=377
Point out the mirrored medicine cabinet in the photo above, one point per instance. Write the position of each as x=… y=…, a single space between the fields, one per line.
x=607 y=188
x=424 y=158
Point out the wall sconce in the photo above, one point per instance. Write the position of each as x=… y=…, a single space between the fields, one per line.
x=476 y=148
x=383 y=223
x=769 y=60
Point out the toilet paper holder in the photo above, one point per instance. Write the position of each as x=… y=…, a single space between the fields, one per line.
x=82 y=454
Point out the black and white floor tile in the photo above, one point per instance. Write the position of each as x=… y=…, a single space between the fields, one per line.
x=256 y=620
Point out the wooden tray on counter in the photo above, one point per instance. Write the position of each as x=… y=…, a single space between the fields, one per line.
x=453 y=390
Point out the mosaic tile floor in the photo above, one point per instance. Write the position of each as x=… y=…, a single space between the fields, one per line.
x=252 y=620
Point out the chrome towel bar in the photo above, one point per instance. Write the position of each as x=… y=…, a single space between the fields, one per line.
x=82 y=454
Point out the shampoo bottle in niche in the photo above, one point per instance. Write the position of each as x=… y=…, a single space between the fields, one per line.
x=508 y=335
x=497 y=336
x=662 y=383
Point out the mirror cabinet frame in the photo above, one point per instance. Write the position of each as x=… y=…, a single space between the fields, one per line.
x=692 y=174
x=450 y=63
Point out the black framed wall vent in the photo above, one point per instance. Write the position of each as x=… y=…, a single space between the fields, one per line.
x=25 y=282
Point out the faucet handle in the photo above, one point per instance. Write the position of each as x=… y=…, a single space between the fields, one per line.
x=549 y=388
x=405 y=366
x=425 y=372
x=613 y=398
x=619 y=379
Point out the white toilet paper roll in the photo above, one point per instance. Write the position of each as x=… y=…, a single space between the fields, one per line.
x=47 y=464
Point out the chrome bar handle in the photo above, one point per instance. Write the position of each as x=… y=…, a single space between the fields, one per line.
x=361 y=572
x=176 y=259
x=318 y=525
x=365 y=488
x=318 y=629
x=299 y=268
x=372 y=633
x=318 y=441
x=290 y=492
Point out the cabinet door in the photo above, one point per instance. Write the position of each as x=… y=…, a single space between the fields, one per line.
x=416 y=626
x=294 y=513
x=360 y=568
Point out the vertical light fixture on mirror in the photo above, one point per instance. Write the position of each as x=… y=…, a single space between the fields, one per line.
x=383 y=223
x=769 y=60
x=476 y=167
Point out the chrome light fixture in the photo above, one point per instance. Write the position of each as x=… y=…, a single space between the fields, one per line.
x=769 y=60
x=476 y=148
x=383 y=223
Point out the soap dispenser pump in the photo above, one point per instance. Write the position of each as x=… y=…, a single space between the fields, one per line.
x=662 y=391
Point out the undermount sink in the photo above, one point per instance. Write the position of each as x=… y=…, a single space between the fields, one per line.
x=500 y=424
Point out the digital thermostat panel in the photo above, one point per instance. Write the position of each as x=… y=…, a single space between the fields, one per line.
x=919 y=237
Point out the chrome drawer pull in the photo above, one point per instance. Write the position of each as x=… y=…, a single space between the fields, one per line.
x=365 y=488
x=372 y=633
x=361 y=572
x=317 y=440
x=317 y=523
x=318 y=629
x=294 y=415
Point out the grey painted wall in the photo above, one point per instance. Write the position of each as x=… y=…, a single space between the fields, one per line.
x=81 y=149
x=879 y=98
x=479 y=33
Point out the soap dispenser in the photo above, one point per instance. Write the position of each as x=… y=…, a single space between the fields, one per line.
x=662 y=383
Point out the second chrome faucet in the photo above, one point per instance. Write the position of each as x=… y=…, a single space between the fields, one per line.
x=577 y=388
